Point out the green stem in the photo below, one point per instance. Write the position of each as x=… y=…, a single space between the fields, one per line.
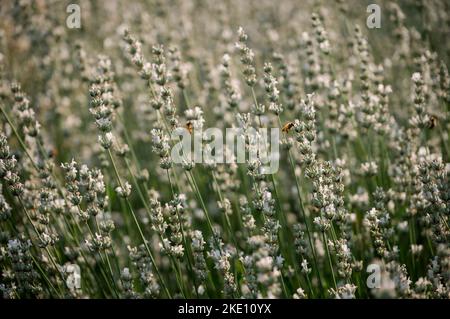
x=163 y=284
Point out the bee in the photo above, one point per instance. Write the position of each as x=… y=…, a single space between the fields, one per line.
x=432 y=122
x=189 y=126
x=53 y=153
x=286 y=127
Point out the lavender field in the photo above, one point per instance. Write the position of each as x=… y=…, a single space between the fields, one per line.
x=335 y=185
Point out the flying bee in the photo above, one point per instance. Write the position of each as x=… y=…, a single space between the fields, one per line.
x=432 y=122
x=286 y=127
x=189 y=126
x=53 y=153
